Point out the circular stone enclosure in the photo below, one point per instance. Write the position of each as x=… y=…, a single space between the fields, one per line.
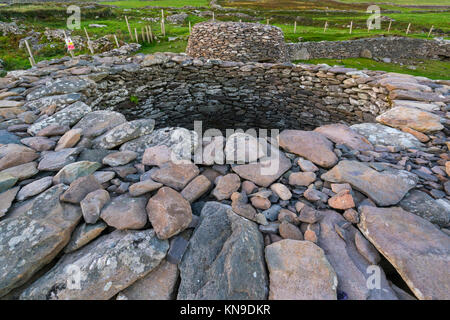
x=237 y=41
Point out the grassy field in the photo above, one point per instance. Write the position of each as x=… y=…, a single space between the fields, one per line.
x=163 y=3
x=426 y=68
x=403 y=2
x=281 y=13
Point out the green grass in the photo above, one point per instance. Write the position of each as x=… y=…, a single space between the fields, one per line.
x=427 y=68
x=403 y=2
x=163 y=3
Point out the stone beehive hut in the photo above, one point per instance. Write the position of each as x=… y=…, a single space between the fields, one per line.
x=231 y=41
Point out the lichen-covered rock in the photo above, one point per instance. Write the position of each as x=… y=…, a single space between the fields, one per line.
x=224 y=259
x=73 y=171
x=66 y=117
x=182 y=142
x=106 y=266
x=32 y=235
x=60 y=86
x=379 y=134
x=423 y=205
x=97 y=123
x=124 y=132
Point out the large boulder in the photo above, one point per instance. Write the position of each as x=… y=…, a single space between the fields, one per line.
x=413 y=118
x=309 y=144
x=124 y=132
x=299 y=270
x=384 y=188
x=32 y=235
x=160 y=284
x=169 y=212
x=66 y=117
x=98 y=122
x=342 y=134
x=416 y=248
x=379 y=134
x=101 y=269
x=267 y=170
x=351 y=259
x=224 y=259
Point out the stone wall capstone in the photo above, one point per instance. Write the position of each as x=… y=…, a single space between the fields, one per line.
x=381 y=47
x=176 y=89
x=237 y=41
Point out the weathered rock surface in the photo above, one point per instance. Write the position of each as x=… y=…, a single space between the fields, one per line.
x=73 y=171
x=169 y=212
x=226 y=185
x=266 y=171
x=160 y=284
x=224 y=259
x=196 y=188
x=176 y=176
x=96 y=123
x=417 y=249
x=385 y=188
x=66 y=117
x=32 y=235
x=342 y=134
x=6 y=199
x=93 y=203
x=124 y=132
x=84 y=234
x=337 y=239
x=311 y=145
x=423 y=205
x=299 y=270
x=79 y=188
x=379 y=134
x=131 y=256
x=34 y=188
x=125 y=212
x=416 y=119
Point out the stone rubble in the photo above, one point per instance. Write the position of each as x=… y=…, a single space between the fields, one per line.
x=102 y=191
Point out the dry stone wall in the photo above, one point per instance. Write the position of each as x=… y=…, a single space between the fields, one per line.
x=231 y=41
x=382 y=47
x=178 y=89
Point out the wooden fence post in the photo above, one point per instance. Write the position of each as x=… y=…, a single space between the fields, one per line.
x=89 y=41
x=32 y=61
x=129 y=29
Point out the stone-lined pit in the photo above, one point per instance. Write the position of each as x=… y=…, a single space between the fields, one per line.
x=176 y=89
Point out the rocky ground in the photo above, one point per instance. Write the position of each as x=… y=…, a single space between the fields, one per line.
x=90 y=192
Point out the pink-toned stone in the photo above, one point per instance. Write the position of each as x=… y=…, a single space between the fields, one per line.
x=299 y=270
x=69 y=139
x=342 y=201
x=226 y=185
x=156 y=156
x=169 y=213
x=302 y=178
x=196 y=188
